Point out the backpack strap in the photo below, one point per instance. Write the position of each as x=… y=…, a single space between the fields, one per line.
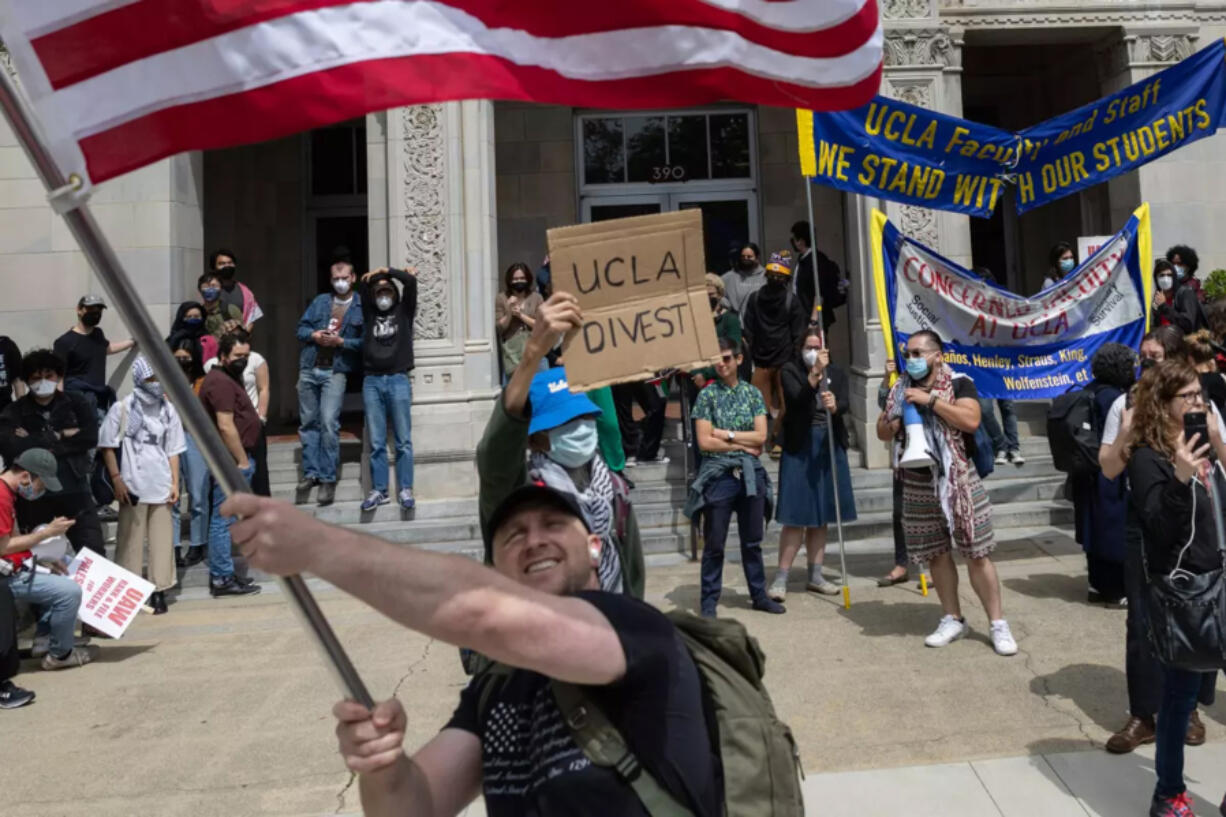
x=604 y=746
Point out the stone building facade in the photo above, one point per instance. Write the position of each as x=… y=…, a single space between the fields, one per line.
x=461 y=190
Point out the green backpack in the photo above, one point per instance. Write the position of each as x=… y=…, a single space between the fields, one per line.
x=761 y=765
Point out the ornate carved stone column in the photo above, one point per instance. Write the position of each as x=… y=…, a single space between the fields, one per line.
x=436 y=164
x=923 y=66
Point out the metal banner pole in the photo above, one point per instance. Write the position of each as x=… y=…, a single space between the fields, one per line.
x=834 y=463
x=126 y=300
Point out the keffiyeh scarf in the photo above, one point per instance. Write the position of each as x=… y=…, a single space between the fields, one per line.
x=947 y=446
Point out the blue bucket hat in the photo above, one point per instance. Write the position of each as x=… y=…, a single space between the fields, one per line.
x=553 y=404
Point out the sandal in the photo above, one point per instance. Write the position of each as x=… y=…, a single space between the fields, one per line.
x=888 y=581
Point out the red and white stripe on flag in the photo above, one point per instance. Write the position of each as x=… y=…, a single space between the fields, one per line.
x=121 y=83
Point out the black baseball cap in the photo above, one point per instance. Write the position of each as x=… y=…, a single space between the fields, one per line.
x=531 y=495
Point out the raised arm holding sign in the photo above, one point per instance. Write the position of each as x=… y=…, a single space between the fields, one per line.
x=641 y=284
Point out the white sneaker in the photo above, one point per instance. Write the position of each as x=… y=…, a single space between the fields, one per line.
x=778 y=591
x=1002 y=458
x=1002 y=638
x=949 y=630
x=1017 y=458
x=632 y=462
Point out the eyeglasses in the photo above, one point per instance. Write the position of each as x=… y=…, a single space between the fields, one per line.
x=1190 y=397
x=726 y=358
x=915 y=352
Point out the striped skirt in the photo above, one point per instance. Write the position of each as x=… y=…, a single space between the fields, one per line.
x=923 y=521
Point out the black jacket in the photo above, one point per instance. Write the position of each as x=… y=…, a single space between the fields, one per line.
x=773 y=333
x=828 y=275
x=1186 y=311
x=387 y=337
x=801 y=404
x=1164 y=507
x=66 y=410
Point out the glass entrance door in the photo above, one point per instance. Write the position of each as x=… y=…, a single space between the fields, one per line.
x=728 y=219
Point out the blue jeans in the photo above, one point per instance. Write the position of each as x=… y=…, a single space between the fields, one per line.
x=221 y=562
x=58 y=599
x=194 y=479
x=724 y=496
x=383 y=393
x=1001 y=441
x=1179 y=691
x=320 y=392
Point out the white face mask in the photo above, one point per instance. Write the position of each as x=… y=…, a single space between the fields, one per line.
x=341 y=286
x=1165 y=282
x=43 y=388
x=809 y=356
x=384 y=302
x=573 y=444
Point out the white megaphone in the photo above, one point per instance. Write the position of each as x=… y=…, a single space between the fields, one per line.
x=915 y=455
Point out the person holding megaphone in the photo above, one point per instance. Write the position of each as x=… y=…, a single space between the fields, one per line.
x=931 y=416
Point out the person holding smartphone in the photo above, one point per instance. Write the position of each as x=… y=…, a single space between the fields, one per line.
x=141 y=440
x=1171 y=470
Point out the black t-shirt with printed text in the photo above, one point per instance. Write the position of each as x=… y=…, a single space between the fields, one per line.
x=532 y=766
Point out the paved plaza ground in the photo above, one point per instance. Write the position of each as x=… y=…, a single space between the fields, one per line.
x=222 y=707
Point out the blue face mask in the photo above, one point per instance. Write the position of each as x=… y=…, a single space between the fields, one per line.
x=1067 y=264
x=211 y=293
x=28 y=492
x=917 y=367
x=573 y=444
x=1181 y=271
x=192 y=322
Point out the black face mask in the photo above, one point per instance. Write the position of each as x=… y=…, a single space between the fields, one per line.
x=236 y=367
x=519 y=286
x=772 y=281
x=748 y=265
x=1148 y=363
x=714 y=303
x=91 y=319
x=185 y=365
x=227 y=273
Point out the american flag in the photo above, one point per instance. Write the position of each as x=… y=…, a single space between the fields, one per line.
x=121 y=83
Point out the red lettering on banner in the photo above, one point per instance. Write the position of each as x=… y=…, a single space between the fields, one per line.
x=906 y=268
x=97 y=597
x=126 y=606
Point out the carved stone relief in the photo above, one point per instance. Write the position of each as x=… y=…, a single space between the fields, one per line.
x=424 y=162
x=913 y=91
x=1162 y=47
x=906 y=47
x=906 y=9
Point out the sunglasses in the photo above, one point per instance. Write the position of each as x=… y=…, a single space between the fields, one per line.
x=915 y=352
x=726 y=358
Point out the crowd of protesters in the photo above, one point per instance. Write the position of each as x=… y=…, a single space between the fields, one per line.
x=71 y=449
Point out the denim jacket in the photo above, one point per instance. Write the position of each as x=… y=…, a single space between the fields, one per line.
x=317 y=316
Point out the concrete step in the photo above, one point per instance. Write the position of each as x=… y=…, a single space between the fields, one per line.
x=650 y=499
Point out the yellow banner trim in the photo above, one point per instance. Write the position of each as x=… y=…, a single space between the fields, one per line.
x=1145 y=259
x=804 y=138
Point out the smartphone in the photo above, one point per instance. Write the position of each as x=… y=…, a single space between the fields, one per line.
x=1196 y=422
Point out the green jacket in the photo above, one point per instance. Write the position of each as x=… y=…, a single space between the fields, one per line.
x=502 y=467
x=727 y=325
x=609 y=433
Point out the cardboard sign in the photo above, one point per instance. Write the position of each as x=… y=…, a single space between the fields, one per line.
x=110 y=595
x=640 y=282
x=1087 y=245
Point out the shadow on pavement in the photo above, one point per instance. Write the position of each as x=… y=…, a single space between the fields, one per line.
x=1107 y=785
x=1072 y=589
x=686 y=597
x=1100 y=691
x=876 y=618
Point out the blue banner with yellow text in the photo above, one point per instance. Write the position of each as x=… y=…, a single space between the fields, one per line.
x=893 y=150
x=1147 y=120
x=1012 y=346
